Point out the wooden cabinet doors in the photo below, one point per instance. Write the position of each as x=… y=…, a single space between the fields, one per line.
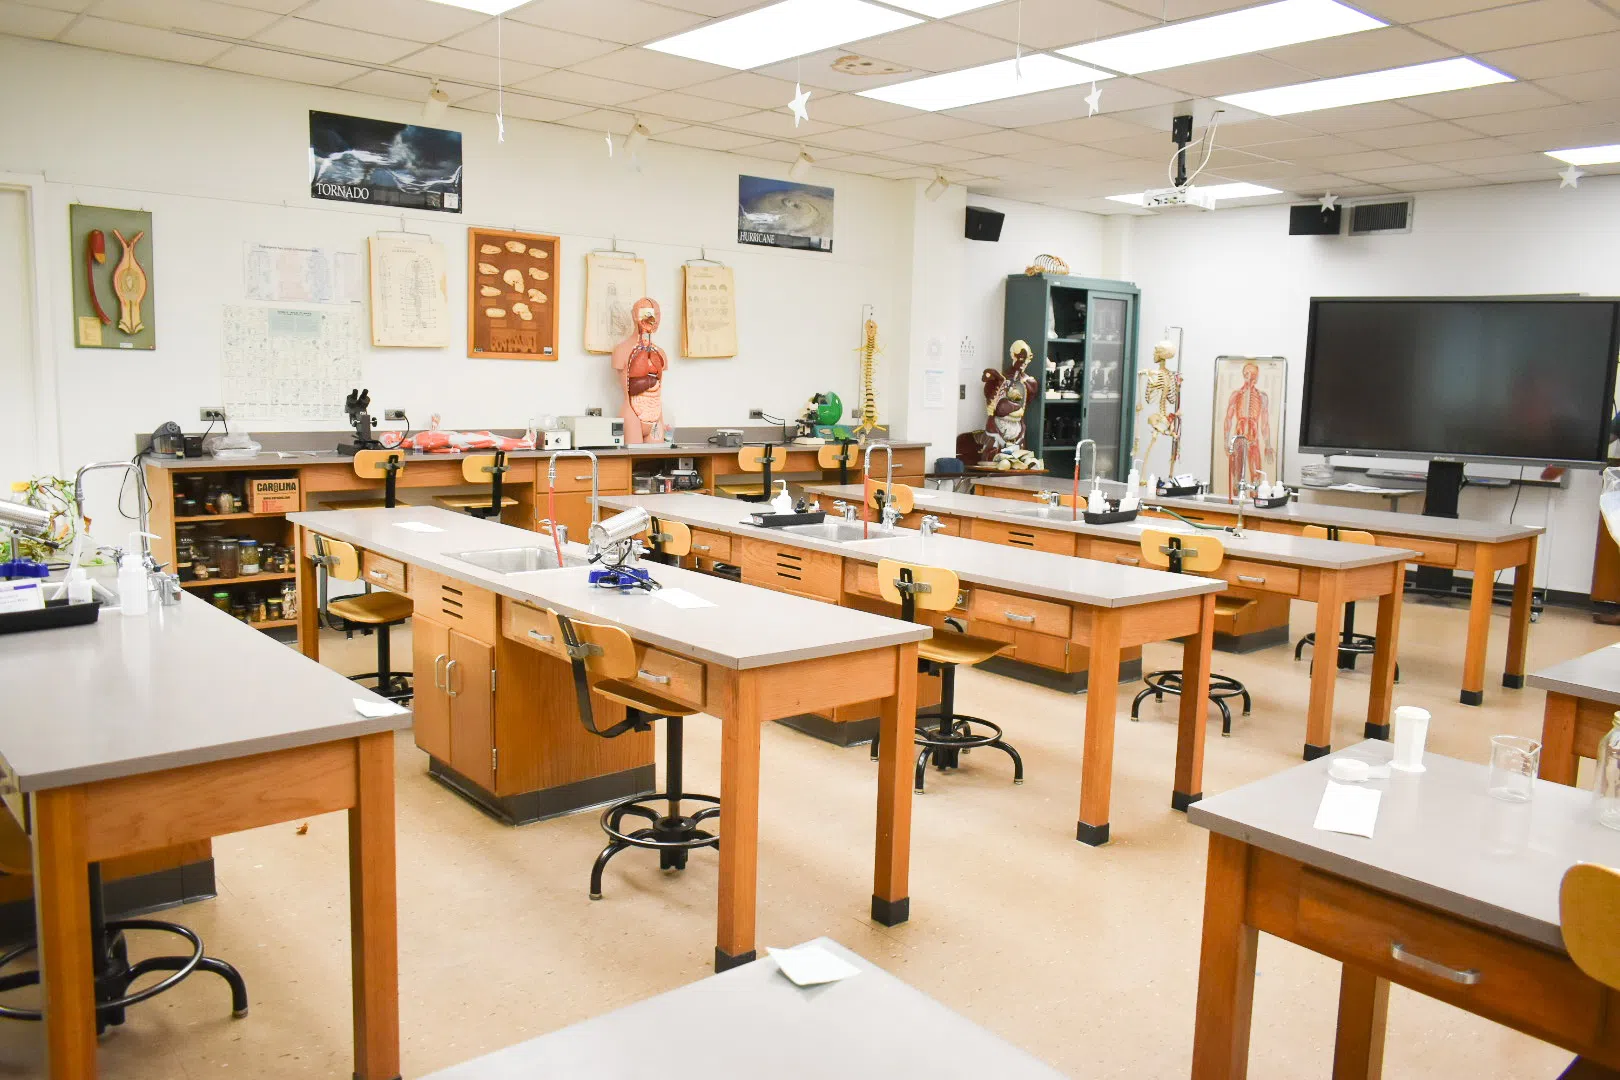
x=430 y=647
x=455 y=700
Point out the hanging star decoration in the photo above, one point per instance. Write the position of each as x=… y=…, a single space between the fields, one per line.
x=1094 y=99
x=1328 y=202
x=800 y=105
x=1570 y=177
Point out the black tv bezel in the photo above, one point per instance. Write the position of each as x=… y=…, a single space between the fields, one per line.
x=1411 y=453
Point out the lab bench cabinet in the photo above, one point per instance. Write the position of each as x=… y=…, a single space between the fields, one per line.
x=455 y=710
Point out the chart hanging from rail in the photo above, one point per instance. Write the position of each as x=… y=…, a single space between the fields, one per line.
x=410 y=298
x=288 y=364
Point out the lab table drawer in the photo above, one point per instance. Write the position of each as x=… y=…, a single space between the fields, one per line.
x=1020 y=536
x=711 y=545
x=1430 y=552
x=528 y=626
x=385 y=573
x=1020 y=612
x=797 y=570
x=671 y=676
x=574 y=474
x=1123 y=554
x=464 y=608
x=1255 y=575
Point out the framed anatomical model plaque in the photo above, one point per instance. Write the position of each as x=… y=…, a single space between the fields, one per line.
x=113 y=302
x=511 y=295
x=1251 y=400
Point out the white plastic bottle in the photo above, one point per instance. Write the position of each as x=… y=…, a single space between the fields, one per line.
x=132 y=585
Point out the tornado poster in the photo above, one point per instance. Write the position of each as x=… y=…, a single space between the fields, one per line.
x=781 y=213
x=381 y=163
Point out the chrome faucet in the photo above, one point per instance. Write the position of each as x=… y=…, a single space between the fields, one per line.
x=1049 y=500
x=845 y=510
x=1078 y=447
x=551 y=487
x=890 y=514
x=148 y=561
x=1243 y=484
x=930 y=525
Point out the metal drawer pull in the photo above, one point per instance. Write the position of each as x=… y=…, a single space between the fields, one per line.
x=380 y=575
x=1469 y=977
x=1128 y=560
x=1250 y=579
x=448 y=668
x=538 y=636
x=1015 y=617
x=438 y=679
x=587 y=476
x=701 y=547
x=662 y=680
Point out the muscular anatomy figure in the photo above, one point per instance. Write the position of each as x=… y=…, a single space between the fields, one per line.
x=1006 y=398
x=1248 y=413
x=1161 y=390
x=641 y=364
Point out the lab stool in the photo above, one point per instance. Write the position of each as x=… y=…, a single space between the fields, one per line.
x=375 y=611
x=1351 y=644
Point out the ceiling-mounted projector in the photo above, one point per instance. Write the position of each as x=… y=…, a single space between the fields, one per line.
x=1165 y=198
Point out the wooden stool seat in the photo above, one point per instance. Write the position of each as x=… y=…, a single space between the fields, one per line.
x=959 y=649
x=372 y=609
x=463 y=503
x=633 y=696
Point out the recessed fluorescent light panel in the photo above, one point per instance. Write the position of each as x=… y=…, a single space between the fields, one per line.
x=1218 y=192
x=1269 y=26
x=488 y=7
x=1588 y=155
x=783 y=31
x=1403 y=82
x=989 y=82
x=940 y=9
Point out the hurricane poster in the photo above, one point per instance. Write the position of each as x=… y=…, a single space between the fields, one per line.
x=381 y=163
x=781 y=213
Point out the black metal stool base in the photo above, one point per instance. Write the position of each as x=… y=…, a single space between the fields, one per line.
x=1221 y=687
x=398 y=689
x=945 y=745
x=671 y=833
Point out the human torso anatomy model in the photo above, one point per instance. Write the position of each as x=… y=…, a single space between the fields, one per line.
x=641 y=365
x=1006 y=400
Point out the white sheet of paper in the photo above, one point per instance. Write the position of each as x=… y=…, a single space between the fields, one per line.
x=811 y=965
x=417 y=526
x=376 y=710
x=1349 y=809
x=682 y=599
x=21 y=596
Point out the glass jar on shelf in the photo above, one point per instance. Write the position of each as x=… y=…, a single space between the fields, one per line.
x=289 y=601
x=1606 y=779
x=248 y=556
x=230 y=557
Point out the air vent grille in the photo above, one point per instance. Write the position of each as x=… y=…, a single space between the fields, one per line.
x=1381 y=217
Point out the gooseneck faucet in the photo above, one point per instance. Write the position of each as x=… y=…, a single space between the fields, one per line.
x=1243 y=477
x=147 y=559
x=551 y=489
x=1078 y=447
x=890 y=515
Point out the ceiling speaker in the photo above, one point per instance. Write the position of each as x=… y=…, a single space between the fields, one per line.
x=984 y=224
x=1309 y=219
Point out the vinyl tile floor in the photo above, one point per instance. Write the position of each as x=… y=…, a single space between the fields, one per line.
x=1086 y=957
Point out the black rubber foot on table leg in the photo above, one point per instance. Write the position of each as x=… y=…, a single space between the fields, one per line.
x=1376 y=731
x=1314 y=752
x=1513 y=682
x=1472 y=697
x=724 y=961
x=891 y=912
x=1178 y=801
x=1095 y=835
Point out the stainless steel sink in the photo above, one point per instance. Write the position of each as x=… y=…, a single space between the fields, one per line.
x=516 y=560
x=839 y=532
x=1054 y=513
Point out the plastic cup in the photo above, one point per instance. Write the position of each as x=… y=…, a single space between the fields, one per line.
x=1515 y=759
x=1411 y=733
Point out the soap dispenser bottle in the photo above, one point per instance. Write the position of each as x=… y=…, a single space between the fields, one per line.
x=783 y=503
x=132 y=583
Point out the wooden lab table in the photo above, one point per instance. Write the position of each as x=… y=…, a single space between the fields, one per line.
x=1327 y=573
x=1102 y=607
x=868 y=1025
x=1455 y=896
x=744 y=655
x=143 y=733
x=1482 y=547
x=1583 y=696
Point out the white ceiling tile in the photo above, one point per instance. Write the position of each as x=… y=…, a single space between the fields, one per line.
x=1001 y=167
x=419 y=20
x=1595 y=53
x=746 y=88
x=1520 y=24
x=1521 y=121
x=817 y=70
x=1411 y=11
x=1261 y=130
x=531 y=44
x=1394 y=173
x=629 y=22
x=930 y=126
x=289 y=67
x=1507 y=163
x=1231 y=75
x=616 y=121
x=1047 y=24
x=396 y=84
x=1308 y=149
x=1357 y=164
x=1365 y=191
x=1047 y=107
x=850 y=163
x=651 y=69
x=1503 y=97
x=201 y=15
x=1458 y=151
x=776 y=124
x=1002 y=142
x=280 y=7
x=142 y=41
x=935 y=46
x=712 y=8
x=1086 y=129
x=1124 y=95
x=1561 y=138
x=1447 y=183
x=930 y=154
x=529 y=108
x=74 y=5
x=852 y=110
x=587 y=89
x=1266 y=172
x=467 y=66
x=27 y=21
x=687 y=107
x=1587 y=86
x=708 y=138
x=1371 y=50
x=857 y=140
x=1353 y=118
x=1434 y=131
x=1177 y=10
x=775 y=150
x=337 y=41
x=1076 y=158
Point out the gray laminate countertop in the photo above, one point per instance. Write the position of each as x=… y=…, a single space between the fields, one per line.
x=1456 y=530
x=1440 y=840
x=292 y=459
x=1279 y=548
x=1035 y=573
x=733 y=625
x=751 y=1021
x=1595 y=676
x=184 y=685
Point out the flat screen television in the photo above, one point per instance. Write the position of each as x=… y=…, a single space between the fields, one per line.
x=1511 y=379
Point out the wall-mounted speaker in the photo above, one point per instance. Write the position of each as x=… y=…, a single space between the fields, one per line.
x=1309 y=219
x=983 y=224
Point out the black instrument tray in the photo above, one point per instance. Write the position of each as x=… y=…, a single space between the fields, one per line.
x=777 y=521
x=1168 y=492
x=1270 y=504
x=1111 y=517
x=56 y=613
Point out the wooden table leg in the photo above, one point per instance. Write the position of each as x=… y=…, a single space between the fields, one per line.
x=891 y=874
x=739 y=827
x=309 y=619
x=1324 y=667
x=1381 y=697
x=1194 y=710
x=1482 y=595
x=1524 y=584
x=373 y=911
x=1102 y=697
x=1225 y=965
x=1358 y=1048
x=62 y=914
x=1560 y=762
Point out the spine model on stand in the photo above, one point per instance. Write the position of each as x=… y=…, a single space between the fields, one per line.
x=869 y=351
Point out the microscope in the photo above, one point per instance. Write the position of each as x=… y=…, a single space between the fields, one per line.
x=358 y=406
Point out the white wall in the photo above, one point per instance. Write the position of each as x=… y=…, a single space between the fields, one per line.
x=18 y=430
x=1239 y=284
x=221 y=160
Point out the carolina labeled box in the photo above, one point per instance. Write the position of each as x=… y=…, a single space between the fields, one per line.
x=274 y=495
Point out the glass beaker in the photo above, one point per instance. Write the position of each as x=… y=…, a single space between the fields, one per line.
x=1515 y=760
x=1606 y=780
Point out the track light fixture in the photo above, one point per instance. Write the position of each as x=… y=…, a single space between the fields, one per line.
x=437 y=105
x=801 y=168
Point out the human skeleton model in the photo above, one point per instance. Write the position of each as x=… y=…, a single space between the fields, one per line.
x=1248 y=413
x=1161 y=391
x=868 y=350
x=1006 y=398
x=641 y=363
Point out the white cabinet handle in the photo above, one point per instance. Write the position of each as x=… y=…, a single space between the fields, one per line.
x=438 y=677
x=448 y=668
x=1251 y=579
x=701 y=547
x=662 y=680
x=538 y=636
x=1469 y=977
x=1016 y=617
x=1128 y=560
x=380 y=575
x=587 y=476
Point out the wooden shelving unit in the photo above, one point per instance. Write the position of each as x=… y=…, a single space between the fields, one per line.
x=204 y=519
x=213 y=583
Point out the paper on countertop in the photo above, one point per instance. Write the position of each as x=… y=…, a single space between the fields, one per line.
x=1348 y=809
x=21 y=596
x=376 y=710
x=417 y=526
x=681 y=598
x=812 y=965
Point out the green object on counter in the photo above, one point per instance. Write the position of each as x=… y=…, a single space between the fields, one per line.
x=222 y=600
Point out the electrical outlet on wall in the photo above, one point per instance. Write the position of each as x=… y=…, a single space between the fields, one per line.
x=594 y=411
x=756 y=414
x=211 y=416
x=393 y=414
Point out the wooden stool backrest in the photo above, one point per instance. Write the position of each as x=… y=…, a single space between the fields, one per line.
x=373 y=464
x=344 y=561
x=933 y=588
x=1200 y=552
x=474 y=468
x=676 y=537
x=752 y=458
x=836 y=455
x=1589 y=908
x=901 y=497
x=1346 y=536
x=616 y=658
